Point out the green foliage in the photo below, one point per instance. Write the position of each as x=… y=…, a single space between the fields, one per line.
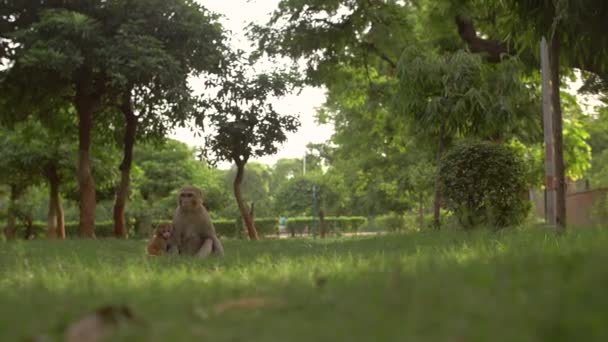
x=598 y=139
x=267 y=225
x=255 y=187
x=233 y=228
x=459 y=95
x=485 y=184
x=391 y=222
x=525 y=21
x=333 y=32
x=336 y=225
x=246 y=124
x=283 y=170
x=103 y=229
x=160 y=169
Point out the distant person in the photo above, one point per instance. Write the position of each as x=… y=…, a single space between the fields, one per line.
x=282 y=224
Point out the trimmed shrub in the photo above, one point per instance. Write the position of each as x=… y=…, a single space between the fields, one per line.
x=229 y=228
x=334 y=224
x=102 y=229
x=267 y=225
x=484 y=184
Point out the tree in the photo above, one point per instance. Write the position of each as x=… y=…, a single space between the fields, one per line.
x=255 y=188
x=246 y=125
x=456 y=95
x=160 y=168
x=104 y=55
x=31 y=154
x=60 y=50
x=564 y=23
x=151 y=84
x=372 y=55
x=283 y=170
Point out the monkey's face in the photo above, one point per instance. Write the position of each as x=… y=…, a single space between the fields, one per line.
x=164 y=230
x=189 y=199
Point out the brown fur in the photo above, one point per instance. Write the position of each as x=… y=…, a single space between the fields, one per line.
x=159 y=243
x=194 y=233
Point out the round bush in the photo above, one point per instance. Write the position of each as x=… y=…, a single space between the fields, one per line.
x=484 y=184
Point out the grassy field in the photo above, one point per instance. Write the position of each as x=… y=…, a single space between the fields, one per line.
x=448 y=286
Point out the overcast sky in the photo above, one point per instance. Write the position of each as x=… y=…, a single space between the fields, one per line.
x=238 y=14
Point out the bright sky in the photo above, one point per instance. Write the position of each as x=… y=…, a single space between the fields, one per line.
x=238 y=14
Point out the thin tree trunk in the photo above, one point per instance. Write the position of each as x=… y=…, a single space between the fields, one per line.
x=421 y=211
x=437 y=194
x=560 y=209
x=10 y=230
x=322 y=223
x=60 y=219
x=252 y=214
x=86 y=102
x=240 y=172
x=122 y=193
x=29 y=227
x=54 y=230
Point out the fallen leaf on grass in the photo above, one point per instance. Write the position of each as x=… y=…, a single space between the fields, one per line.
x=249 y=303
x=94 y=326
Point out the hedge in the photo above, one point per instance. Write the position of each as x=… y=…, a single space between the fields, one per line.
x=229 y=228
x=234 y=228
x=339 y=224
x=102 y=228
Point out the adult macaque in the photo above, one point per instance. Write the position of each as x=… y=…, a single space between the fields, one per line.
x=193 y=232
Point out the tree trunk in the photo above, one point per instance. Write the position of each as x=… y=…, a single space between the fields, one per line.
x=560 y=209
x=240 y=172
x=421 y=211
x=86 y=102
x=60 y=219
x=122 y=193
x=29 y=227
x=55 y=228
x=437 y=194
x=322 y=223
x=10 y=230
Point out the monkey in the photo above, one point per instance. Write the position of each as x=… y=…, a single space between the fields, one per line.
x=158 y=245
x=193 y=231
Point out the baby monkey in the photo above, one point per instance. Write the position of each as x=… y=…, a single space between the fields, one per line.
x=159 y=244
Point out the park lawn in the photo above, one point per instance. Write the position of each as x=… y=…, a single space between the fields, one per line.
x=446 y=286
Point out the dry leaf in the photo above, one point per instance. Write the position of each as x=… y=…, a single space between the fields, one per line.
x=94 y=326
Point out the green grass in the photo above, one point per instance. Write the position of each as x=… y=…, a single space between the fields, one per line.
x=448 y=286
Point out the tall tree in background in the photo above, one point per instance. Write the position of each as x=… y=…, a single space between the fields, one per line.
x=104 y=55
x=151 y=83
x=455 y=95
x=60 y=49
x=246 y=124
x=33 y=154
x=345 y=40
x=577 y=39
